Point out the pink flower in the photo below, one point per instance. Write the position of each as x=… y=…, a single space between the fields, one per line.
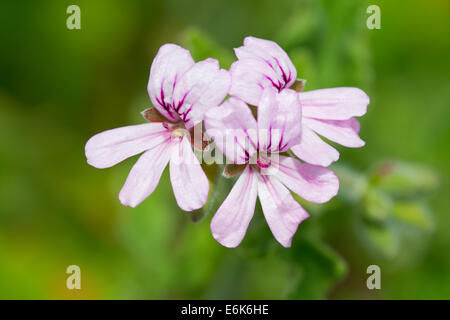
x=181 y=90
x=329 y=112
x=267 y=174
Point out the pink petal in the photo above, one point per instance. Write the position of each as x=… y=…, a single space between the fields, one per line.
x=344 y=132
x=203 y=86
x=262 y=63
x=279 y=120
x=268 y=51
x=145 y=175
x=231 y=221
x=312 y=183
x=233 y=129
x=334 y=104
x=113 y=146
x=271 y=53
x=314 y=150
x=249 y=77
x=189 y=182
x=283 y=214
x=168 y=66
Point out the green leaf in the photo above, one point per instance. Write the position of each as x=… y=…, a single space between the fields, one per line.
x=415 y=214
x=299 y=27
x=377 y=205
x=203 y=47
x=303 y=60
x=353 y=184
x=383 y=239
x=404 y=179
x=320 y=268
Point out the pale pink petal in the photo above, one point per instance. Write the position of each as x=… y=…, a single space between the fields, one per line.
x=262 y=63
x=314 y=150
x=344 y=132
x=271 y=53
x=145 y=174
x=279 y=120
x=334 y=103
x=231 y=221
x=203 y=86
x=233 y=129
x=313 y=183
x=283 y=214
x=113 y=146
x=249 y=77
x=189 y=182
x=168 y=66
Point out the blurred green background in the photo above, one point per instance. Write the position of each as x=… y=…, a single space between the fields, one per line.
x=58 y=87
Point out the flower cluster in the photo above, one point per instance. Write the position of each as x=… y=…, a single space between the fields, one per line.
x=257 y=116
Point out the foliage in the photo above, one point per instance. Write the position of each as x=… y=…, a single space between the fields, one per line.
x=59 y=87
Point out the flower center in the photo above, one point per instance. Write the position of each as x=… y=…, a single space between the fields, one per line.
x=263 y=163
x=177 y=130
